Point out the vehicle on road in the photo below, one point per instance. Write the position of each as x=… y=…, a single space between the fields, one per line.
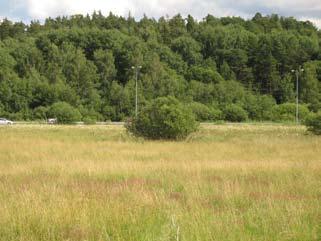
x=52 y=121
x=4 y=121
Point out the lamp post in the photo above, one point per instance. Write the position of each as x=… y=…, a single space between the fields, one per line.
x=297 y=75
x=136 y=68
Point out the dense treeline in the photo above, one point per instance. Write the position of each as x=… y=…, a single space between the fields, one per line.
x=223 y=68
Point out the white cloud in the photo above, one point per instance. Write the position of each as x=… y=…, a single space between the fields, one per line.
x=316 y=21
x=44 y=8
x=120 y=7
x=40 y=9
x=154 y=8
x=301 y=9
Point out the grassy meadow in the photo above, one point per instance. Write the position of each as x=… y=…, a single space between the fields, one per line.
x=226 y=182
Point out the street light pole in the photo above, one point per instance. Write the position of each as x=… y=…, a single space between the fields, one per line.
x=136 y=68
x=297 y=97
x=297 y=75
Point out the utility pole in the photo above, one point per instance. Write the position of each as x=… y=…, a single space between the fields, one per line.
x=297 y=75
x=136 y=68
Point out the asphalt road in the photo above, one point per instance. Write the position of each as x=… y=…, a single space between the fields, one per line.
x=76 y=123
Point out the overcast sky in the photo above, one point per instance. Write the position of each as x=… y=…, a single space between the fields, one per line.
x=26 y=10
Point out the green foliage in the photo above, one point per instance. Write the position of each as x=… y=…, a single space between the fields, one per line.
x=226 y=71
x=89 y=120
x=216 y=113
x=108 y=113
x=265 y=66
x=164 y=118
x=205 y=113
x=40 y=113
x=86 y=61
x=2 y=112
x=285 y=90
x=90 y=116
x=204 y=74
x=313 y=123
x=188 y=48
x=287 y=112
x=64 y=112
x=259 y=107
x=228 y=92
x=235 y=113
x=311 y=85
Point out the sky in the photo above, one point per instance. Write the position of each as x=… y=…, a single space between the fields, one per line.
x=27 y=10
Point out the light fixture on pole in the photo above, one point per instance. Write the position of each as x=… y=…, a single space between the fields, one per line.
x=297 y=74
x=136 y=68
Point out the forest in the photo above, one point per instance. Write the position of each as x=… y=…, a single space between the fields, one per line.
x=227 y=68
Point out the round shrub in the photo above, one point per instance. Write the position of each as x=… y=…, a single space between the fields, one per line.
x=287 y=112
x=313 y=123
x=235 y=113
x=64 y=113
x=163 y=118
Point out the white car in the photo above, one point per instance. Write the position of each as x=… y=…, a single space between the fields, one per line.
x=52 y=121
x=4 y=121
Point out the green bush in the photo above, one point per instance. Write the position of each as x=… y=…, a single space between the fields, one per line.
x=204 y=74
x=22 y=115
x=163 y=118
x=235 y=113
x=109 y=112
x=205 y=113
x=216 y=113
x=90 y=116
x=88 y=120
x=287 y=112
x=40 y=113
x=259 y=107
x=313 y=123
x=64 y=113
x=3 y=113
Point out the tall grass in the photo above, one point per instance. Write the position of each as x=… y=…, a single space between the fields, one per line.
x=226 y=182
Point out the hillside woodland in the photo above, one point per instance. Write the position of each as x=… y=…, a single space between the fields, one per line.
x=222 y=68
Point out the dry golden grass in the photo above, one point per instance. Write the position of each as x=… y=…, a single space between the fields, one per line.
x=226 y=182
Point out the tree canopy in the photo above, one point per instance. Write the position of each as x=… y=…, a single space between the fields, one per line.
x=226 y=65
